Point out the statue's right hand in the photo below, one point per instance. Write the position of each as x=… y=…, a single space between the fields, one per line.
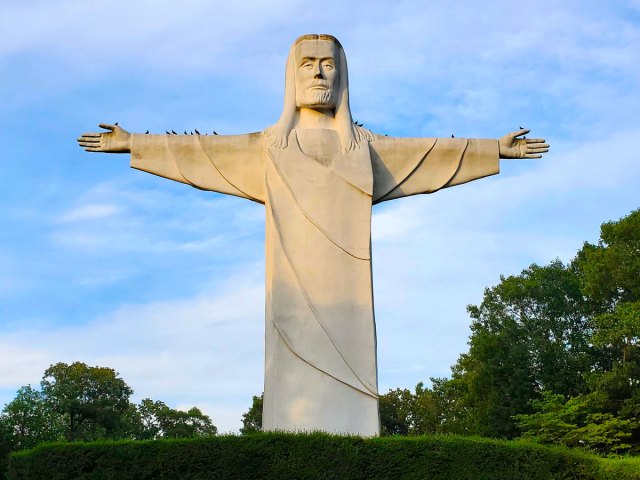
x=115 y=140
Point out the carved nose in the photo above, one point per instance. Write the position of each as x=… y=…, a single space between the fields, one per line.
x=318 y=72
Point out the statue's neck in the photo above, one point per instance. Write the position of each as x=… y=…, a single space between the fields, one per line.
x=309 y=118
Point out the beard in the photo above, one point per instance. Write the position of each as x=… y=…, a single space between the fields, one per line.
x=316 y=97
x=320 y=97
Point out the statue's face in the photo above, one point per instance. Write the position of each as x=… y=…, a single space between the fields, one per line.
x=316 y=74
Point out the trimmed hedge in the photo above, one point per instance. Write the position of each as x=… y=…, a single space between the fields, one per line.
x=314 y=456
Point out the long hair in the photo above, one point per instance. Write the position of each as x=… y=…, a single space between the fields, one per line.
x=351 y=135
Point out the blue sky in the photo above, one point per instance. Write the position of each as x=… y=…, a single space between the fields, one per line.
x=164 y=283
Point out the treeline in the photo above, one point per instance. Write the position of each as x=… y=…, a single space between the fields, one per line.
x=554 y=356
x=80 y=403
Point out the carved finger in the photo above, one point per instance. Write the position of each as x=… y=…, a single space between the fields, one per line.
x=92 y=134
x=107 y=126
x=533 y=155
x=537 y=145
x=522 y=131
x=534 y=140
x=537 y=150
x=93 y=149
x=89 y=139
x=88 y=144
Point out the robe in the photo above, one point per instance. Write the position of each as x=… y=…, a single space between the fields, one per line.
x=320 y=338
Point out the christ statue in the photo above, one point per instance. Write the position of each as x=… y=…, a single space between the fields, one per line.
x=318 y=174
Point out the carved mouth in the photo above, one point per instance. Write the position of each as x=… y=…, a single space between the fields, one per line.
x=319 y=85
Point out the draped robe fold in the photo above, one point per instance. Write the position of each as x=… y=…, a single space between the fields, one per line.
x=320 y=343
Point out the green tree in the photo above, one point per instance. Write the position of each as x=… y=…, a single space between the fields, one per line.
x=403 y=412
x=28 y=421
x=78 y=402
x=93 y=400
x=530 y=334
x=454 y=411
x=161 y=421
x=252 y=418
x=620 y=331
x=576 y=422
x=610 y=276
x=606 y=417
x=396 y=412
x=610 y=270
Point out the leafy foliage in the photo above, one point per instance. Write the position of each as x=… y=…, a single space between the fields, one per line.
x=405 y=413
x=28 y=421
x=316 y=456
x=252 y=419
x=157 y=420
x=554 y=355
x=92 y=400
x=610 y=270
x=529 y=334
x=78 y=402
x=576 y=422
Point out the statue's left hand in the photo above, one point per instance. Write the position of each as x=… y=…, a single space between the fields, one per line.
x=513 y=147
x=115 y=140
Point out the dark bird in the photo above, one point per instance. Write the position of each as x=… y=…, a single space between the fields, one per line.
x=147 y=132
x=167 y=132
x=191 y=133
x=174 y=132
x=185 y=132
x=197 y=132
x=215 y=133
x=521 y=128
x=116 y=123
x=452 y=136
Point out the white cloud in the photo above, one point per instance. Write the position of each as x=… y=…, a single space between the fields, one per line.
x=89 y=212
x=140 y=219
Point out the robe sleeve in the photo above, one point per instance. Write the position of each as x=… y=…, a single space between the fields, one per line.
x=410 y=166
x=231 y=164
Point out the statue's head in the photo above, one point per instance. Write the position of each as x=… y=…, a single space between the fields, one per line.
x=316 y=77
x=317 y=71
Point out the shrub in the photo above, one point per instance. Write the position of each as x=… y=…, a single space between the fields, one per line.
x=313 y=456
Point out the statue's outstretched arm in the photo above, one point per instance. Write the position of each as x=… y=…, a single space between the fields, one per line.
x=115 y=140
x=231 y=164
x=511 y=146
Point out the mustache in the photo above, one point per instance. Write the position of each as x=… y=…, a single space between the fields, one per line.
x=319 y=83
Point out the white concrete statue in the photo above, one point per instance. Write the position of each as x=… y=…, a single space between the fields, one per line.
x=318 y=175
